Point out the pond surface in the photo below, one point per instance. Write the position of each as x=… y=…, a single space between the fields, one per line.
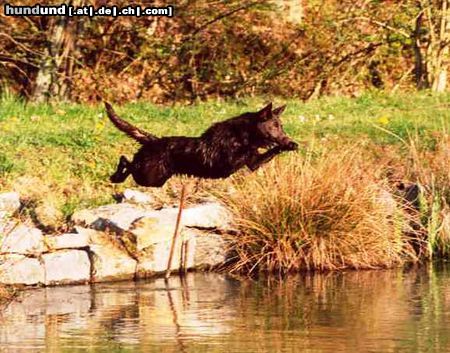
x=368 y=311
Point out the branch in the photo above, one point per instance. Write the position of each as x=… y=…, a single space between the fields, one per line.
x=380 y=24
x=224 y=15
x=20 y=44
x=191 y=36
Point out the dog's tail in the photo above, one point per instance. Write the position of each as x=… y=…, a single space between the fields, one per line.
x=139 y=135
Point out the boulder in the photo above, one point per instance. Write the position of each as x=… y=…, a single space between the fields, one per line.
x=19 y=269
x=111 y=264
x=110 y=261
x=117 y=217
x=210 y=250
x=135 y=196
x=147 y=239
x=9 y=203
x=23 y=240
x=194 y=248
x=67 y=241
x=66 y=266
x=207 y=215
x=154 y=258
x=6 y=226
x=48 y=214
x=152 y=230
x=387 y=201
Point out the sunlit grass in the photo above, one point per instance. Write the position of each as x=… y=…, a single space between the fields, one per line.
x=329 y=213
x=69 y=150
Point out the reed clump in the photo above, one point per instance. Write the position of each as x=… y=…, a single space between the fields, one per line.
x=430 y=167
x=324 y=213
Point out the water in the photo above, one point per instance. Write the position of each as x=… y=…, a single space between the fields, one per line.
x=370 y=311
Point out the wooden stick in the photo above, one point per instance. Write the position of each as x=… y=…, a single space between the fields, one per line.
x=175 y=234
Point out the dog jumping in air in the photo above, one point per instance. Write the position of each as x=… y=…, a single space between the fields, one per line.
x=221 y=150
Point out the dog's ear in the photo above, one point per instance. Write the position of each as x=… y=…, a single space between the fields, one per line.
x=266 y=112
x=278 y=111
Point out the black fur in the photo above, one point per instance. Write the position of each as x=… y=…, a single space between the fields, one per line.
x=220 y=151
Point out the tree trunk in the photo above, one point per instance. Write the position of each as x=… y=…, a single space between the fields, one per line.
x=58 y=61
x=442 y=51
x=432 y=48
x=48 y=71
x=420 y=70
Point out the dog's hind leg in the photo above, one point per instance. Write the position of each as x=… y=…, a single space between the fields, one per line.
x=122 y=172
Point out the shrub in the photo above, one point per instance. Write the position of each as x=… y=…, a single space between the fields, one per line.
x=323 y=214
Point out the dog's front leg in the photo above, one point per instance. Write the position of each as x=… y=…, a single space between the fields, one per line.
x=259 y=159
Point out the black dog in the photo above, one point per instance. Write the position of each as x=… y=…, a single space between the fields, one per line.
x=220 y=151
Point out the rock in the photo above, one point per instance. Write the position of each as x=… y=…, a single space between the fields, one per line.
x=151 y=230
x=412 y=193
x=109 y=261
x=153 y=242
x=210 y=250
x=194 y=248
x=111 y=264
x=136 y=196
x=119 y=216
x=6 y=226
x=23 y=240
x=18 y=269
x=9 y=203
x=67 y=241
x=66 y=266
x=141 y=239
x=48 y=214
x=387 y=201
x=155 y=257
x=207 y=215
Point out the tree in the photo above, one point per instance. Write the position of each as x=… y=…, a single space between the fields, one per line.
x=56 y=65
x=431 y=44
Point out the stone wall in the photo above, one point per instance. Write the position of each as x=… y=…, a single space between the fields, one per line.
x=110 y=243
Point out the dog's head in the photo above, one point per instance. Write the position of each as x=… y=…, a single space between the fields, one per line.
x=271 y=129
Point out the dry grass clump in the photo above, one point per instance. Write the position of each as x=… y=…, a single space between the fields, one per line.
x=325 y=213
x=431 y=167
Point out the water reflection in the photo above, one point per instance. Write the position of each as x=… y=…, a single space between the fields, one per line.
x=376 y=311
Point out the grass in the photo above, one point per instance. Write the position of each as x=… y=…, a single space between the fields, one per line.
x=59 y=158
x=430 y=167
x=326 y=213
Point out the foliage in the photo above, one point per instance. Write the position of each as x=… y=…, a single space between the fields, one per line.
x=228 y=49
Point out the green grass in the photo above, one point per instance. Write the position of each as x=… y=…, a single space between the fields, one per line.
x=69 y=150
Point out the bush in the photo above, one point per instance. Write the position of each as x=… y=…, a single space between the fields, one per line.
x=321 y=214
